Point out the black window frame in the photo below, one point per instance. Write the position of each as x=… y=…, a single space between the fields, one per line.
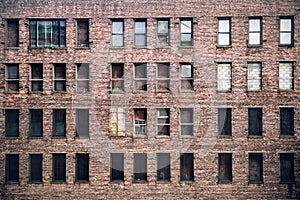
x=253 y=32
x=285 y=171
x=82 y=172
x=9 y=22
x=163 y=167
x=140 y=168
x=292 y=30
x=12 y=168
x=287 y=125
x=117 y=167
x=17 y=113
x=227 y=178
x=57 y=118
x=35 y=168
x=36 y=122
x=59 y=163
x=225 y=116
x=255 y=175
x=224 y=33
x=187 y=167
x=253 y=115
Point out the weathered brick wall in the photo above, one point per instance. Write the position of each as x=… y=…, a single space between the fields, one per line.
x=204 y=55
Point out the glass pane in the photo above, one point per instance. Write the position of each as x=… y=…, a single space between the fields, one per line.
x=83 y=86
x=223 y=39
x=162 y=40
x=41 y=33
x=186 y=37
x=48 y=33
x=33 y=33
x=55 y=33
x=62 y=33
x=163 y=27
x=36 y=86
x=117 y=27
x=117 y=40
x=254 y=38
x=285 y=25
x=163 y=85
x=254 y=25
x=187 y=84
x=60 y=72
x=163 y=71
x=187 y=130
x=141 y=85
x=141 y=71
x=224 y=26
x=254 y=85
x=12 y=72
x=60 y=86
x=140 y=40
x=186 y=71
x=285 y=38
x=13 y=86
x=186 y=26
x=82 y=71
x=140 y=27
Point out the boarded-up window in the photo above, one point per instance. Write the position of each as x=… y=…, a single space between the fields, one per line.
x=163 y=121
x=163 y=77
x=140 y=122
x=59 y=77
x=163 y=32
x=117 y=39
x=255 y=121
x=287 y=168
x=12 y=168
x=224 y=121
x=12 y=33
x=116 y=167
x=82 y=167
x=117 y=122
x=225 y=168
x=82 y=123
x=140 y=77
x=287 y=121
x=224 y=77
x=59 y=167
x=286 y=76
x=117 y=77
x=187 y=167
x=163 y=172
x=11 y=123
x=187 y=121
x=83 y=77
x=82 y=33
x=36 y=168
x=186 y=32
x=254 y=77
x=186 y=77
x=255 y=168
x=59 y=123
x=12 y=78
x=140 y=167
x=36 y=77
x=36 y=123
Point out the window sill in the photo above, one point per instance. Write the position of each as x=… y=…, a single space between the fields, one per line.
x=286 y=91
x=85 y=137
x=34 y=137
x=117 y=91
x=81 y=182
x=255 y=46
x=12 y=48
x=186 y=47
x=12 y=182
x=286 y=182
x=224 y=46
x=225 y=182
x=187 y=91
x=187 y=136
x=163 y=47
x=59 y=92
x=11 y=137
x=225 y=137
x=113 y=47
x=13 y=92
x=187 y=181
x=139 y=91
x=83 y=92
x=256 y=182
x=54 y=48
x=286 y=45
x=163 y=91
x=224 y=91
x=253 y=91
x=140 y=182
x=58 y=182
x=140 y=136
x=35 y=182
x=255 y=136
x=117 y=136
x=141 y=47
x=162 y=136
x=82 y=48
x=121 y=182
x=58 y=137
x=164 y=182
x=287 y=136
x=35 y=92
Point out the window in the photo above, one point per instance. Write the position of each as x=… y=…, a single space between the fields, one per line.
x=117 y=122
x=255 y=31
x=82 y=33
x=11 y=123
x=36 y=123
x=163 y=121
x=59 y=77
x=140 y=122
x=163 y=32
x=140 y=77
x=82 y=77
x=187 y=167
x=224 y=31
x=35 y=168
x=224 y=77
x=254 y=76
x=255 y=168
x=163 y=172
x=140 y=33
x=225 y=168
x=287 y=168
x=186 y=122
x=117 y=78
x=12 y=168
x=82 y=123
x=286 y=31
x=140 y=167
x=286 y=79
x=59 y=123
x=186 y=78
x=117 y=167
x=12 y=78
x=255 y=121
x=287 y=121
x=224 y=122
x=12 y=33
x=163 y=77
x=36 y=77
x=59 y=167
x=117 y=33
x=186 y=32
x=47 y=33
x=82 y=167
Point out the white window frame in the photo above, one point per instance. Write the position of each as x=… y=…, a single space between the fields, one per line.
x=224 y=79
x=254 y=77
x=283 y=78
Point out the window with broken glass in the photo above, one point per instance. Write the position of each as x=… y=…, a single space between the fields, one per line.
x=186 y=78
x=140 y=122
x=12 y=33
x=255 y=167
x=117 y=77
x=163 y=121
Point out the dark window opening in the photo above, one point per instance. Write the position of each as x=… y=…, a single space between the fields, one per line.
x=287 y=168
x=36 y=168
x=163 y=172
x=83 y=78
x=224 y=121
x=163 y=77
x=255 y=122
x=11 y=123
x=12 y=33
x=140 y=167
x=82 y=123
x=36 y=123
x=255 y=168
x=140 y=33
x=12 y=168
x=12 y=78
x=83 y=33
x=59 y=123
x=140 y=77
x=225 y=168
x=36 y=79
x=59 y=78
x=163 y=121
x=187 y=167
x=117 y=167
x=187 y=121
x=82 y=167
x=117 y=77
x=59 y=168
x=287 y=121
x=140 y=122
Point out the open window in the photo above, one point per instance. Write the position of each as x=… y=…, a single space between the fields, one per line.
x=186 y=78
x=140 y=122
x=117 y=77
x=117 y=167
x=116 y=122
x=140 y=167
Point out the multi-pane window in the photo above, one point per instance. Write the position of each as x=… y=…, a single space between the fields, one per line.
x=287 y=121
x=140 y=122
x=11 y=123
x=163 y=171
x=35 y=168
x=117 y=33
x=224 y=77
x=59 y=77
x=12 y=33
x=187 y=167
x=286 y=79
x=187 y=121
x=82 y=122
x=117 y=77
x=255 y=31
x=224 y=122
x=47 y=33
x=12 y=78
x=82 y=33
x=140 y=167
x=117 y=167
x=12 y=168
x=186 y=32
x=59 y=167
x=59 y=123
x=225 y=168
x=163 y=121
x=224 y=31
x=287 y=168
x=255 y=167
x=163 y=32
x=163 y=77
x=254 y=121
x=140 y=77
x=82 y=77
x=286 y=31
x=36 y=123
x=254 y=76
x=82 y=167
x=140 y=33
x=116 y=122
x=186 y=78
x=36 y=77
